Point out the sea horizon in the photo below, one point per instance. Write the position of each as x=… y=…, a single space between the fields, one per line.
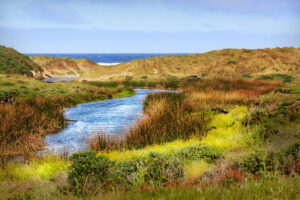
x=108 y=58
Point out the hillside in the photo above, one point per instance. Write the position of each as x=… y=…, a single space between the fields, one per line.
x=63 y=67
x=13 y=62
x=226 y=62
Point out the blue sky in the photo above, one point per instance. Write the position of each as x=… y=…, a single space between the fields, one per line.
x=153 y=26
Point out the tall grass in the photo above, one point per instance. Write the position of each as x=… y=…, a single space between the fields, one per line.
x=24 y=124
x=167 y=117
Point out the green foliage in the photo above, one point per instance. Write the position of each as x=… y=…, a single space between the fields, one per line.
x=13 y=62
x=172 y=84
x=284 y=77
x=293 y=150
x=8 y=93
x=171 y=78
x=110 y=84
x=246 y=76
x=288 y=90
x=230 y=62
x=153 y=169
x=255 y=162
x=134 y=84
x=284 y=161
x=203 y=75
x=198 y=152
x=87 y=172
x=144 y=77
x=6 y=84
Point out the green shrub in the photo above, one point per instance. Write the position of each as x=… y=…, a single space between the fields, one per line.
x=88 y=171
x=285 y=161
x=153 y=169
x=6 y=84
x=255 y=162
x=111 y=84
x=199 y=152
x=293 y=150
x=144 y=77
x=151 y=84
x=172 y=84
x=231 y=62
x=284 y=77
x=288 y=90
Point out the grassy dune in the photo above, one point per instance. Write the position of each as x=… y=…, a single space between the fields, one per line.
x=226 y=62
x=64 y=67
x=13 y=62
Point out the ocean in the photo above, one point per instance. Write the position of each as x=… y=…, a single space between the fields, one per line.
x=109 y=58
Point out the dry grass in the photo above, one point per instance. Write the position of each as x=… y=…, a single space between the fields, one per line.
x=217 y=92
x=214 y=63
x=64 y=67
x=24 y=124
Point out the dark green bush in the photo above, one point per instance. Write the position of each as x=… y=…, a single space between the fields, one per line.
x=199 y=152
x=87 y=172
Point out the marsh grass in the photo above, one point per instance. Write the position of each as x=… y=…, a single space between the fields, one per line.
x=24 y=124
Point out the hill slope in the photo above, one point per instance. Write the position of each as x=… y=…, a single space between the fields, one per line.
x=64 y=67
x=13 y=62
x=226 y=62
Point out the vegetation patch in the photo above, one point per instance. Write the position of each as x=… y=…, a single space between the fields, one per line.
x=246 y=76
x=284 y=77
x=230 y=62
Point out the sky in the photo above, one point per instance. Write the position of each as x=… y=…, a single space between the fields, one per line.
x=147 y=26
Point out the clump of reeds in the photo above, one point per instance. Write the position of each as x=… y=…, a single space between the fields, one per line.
x=24 y=124
x=167 y=117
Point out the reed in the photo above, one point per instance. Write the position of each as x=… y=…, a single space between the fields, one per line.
x=25 y=123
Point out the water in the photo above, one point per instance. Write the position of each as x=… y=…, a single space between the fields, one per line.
x=110 y=58
x=110 y=116
x=59 y=79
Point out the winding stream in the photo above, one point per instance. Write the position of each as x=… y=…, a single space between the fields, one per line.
x=110 y=116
